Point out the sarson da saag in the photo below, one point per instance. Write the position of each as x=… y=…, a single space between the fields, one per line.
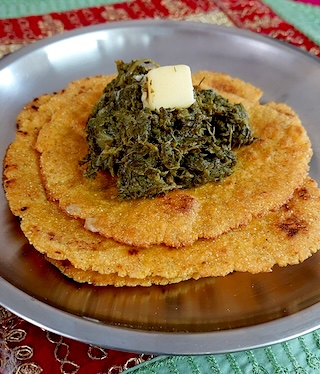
x=154 y=151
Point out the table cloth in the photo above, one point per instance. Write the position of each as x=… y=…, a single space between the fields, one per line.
x=25 y=348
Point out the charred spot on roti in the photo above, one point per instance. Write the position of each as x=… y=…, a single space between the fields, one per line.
x=180 y=203
x=133 y=251
x=303 y=193
x=293 y=225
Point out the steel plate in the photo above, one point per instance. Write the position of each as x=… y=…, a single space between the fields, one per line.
x=213 y=315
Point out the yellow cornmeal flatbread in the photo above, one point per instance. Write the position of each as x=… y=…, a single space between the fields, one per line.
x=264 y=178
x=97 y=279
x=287 y=236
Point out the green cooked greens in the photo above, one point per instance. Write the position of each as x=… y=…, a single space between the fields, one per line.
x=152 y=152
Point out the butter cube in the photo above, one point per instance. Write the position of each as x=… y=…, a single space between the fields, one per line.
x=169 y=87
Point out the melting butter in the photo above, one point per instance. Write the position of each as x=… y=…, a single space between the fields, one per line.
x=169 y=87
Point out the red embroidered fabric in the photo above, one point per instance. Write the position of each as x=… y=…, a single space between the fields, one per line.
x=25 y=348
x=252 y=15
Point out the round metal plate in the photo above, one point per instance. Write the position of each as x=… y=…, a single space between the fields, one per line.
x=193 y=317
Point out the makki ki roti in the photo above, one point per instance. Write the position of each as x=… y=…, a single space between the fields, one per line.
x=266 y=174
x=286 y=236
x=97 y=279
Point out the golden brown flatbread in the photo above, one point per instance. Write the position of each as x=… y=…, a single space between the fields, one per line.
x=265 y=176
x=98 y=279
x=286 y=236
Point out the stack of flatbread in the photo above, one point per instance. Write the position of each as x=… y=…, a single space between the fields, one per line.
x=267 y=212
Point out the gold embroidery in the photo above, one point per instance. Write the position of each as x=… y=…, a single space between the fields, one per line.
x=74 y=19
x=50 y=26
x=61 y=354
x=29 y=368
x=115 y=369
x=315 y=51
x=255 y=8
x=23 y=352
x=215 y=17
x=136 y=8
x=27 y=32
x=89 y=16
x=97 y=353
x=133 y=361
x=6 y=49
x=54 y=338
x=176 y=8
x=16 y=335
x=246 y=9
x=144 y=357
x=111 y=14
x=9 y=31
x=12 y=357
x=258 y=23
x=287 y=35
x=69 y=367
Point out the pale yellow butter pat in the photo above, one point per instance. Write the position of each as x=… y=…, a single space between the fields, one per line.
x=169 y=87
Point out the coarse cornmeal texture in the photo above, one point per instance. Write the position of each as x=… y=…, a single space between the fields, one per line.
x=286 y=236
x=266 y=174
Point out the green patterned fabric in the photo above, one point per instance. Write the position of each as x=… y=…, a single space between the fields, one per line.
x=304 y=17
x=19 y=8
x=297 y=356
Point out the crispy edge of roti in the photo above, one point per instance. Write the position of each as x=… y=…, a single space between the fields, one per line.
x=97 y=279
x=180 y=217
x=15 y=185
x=286 y=236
